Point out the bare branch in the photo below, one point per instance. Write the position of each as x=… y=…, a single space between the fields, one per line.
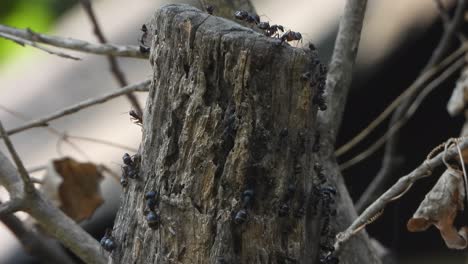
x=447 y=39
x=51 y=219
x=382 y=179
x=408 y=114
x=35 y=244
x=28 y=185
x=141 y=86
x=444 y=14
x=114 y=66
x=397 y=190
x=75 y=44
x=66 y=136
x=390 y=160
x=341 y=66
x=410 y=91
x=23 y=42
x=337 y=87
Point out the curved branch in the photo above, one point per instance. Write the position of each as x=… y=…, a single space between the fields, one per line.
x=141 y=86
x=397 y=190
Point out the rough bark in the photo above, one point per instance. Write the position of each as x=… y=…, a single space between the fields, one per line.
x=228 y=110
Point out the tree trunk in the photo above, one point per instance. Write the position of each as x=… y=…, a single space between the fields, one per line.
x=229 y=127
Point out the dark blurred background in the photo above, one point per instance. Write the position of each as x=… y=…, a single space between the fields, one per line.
x=398 y=39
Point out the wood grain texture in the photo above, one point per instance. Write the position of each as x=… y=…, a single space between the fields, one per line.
x=215 y=122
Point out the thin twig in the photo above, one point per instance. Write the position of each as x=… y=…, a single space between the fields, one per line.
x=447 y=38
x=402 y=185
x=28 y=184
x=75 y=44
x=462 y=161
x=402 y=102
x=58 y=147
x=65 y=136
x=114 y=175
x=23 y=42
x=417 y=102
x=138 y=87
x=114 y=66
x=102 y=142
x=410 y=91
x=391 y=158
x=446 y=19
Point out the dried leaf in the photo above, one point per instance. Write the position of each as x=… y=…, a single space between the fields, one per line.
x=74 y=187
x=440 y=207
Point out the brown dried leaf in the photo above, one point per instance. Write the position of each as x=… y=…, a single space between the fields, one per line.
x=440 y=207
x=75 y=187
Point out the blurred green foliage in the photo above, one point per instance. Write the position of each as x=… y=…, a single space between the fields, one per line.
x=39 y=15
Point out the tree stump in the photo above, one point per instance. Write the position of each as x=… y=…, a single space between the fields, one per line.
x=227 y=136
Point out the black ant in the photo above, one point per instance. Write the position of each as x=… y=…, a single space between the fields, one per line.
x=247 y=200
x=152 y=217
x=129 y=169
x=143 y=47
x=153 y=220
x=312 y=47
x=319 y=98
x=107 y=241
x=274 y=29
x=291 y=36
x=241 y=216
x=263 y=25
x=135 y=117
x=150 y=198
x=328 y=192
x=210 y=9
x=245 y=16
x=270 y=30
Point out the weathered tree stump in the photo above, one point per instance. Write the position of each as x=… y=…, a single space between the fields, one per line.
x=229 y=111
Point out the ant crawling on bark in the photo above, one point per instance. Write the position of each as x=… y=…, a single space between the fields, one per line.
x=247 y=200
x=245 y=16
x=107 y=241
x=270 y=30
x=143 y=47
x=129 y=169
x=152 y=217
x=291 y=36
x=135 y=117
x=210 y=9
